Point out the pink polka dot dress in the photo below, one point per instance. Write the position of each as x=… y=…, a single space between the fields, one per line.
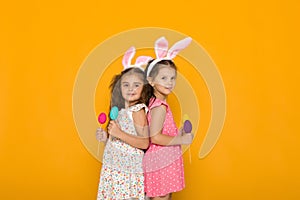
x=163 y=165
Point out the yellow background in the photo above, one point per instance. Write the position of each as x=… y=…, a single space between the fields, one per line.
x=255 y=45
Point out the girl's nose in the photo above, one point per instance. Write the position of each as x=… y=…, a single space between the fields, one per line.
x=131 y=88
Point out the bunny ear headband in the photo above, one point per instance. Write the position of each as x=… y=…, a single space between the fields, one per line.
x=141 y=60
x=162 y=52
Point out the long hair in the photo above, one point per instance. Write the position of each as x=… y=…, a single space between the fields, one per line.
x=116 y=93
x=154 y=73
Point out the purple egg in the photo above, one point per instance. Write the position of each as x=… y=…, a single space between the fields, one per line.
x=187 y=126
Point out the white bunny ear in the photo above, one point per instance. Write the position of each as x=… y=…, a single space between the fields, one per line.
x=142 y=60
x=178 y=46
x=128 y=57
x=161 y=47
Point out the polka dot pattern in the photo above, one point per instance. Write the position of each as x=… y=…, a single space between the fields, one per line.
x=163 y=165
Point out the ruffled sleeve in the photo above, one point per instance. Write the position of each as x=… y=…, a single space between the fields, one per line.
x=157 y=102
x=138 y=107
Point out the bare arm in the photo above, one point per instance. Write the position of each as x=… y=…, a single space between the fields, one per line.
x=158 y=115
x=141 y=140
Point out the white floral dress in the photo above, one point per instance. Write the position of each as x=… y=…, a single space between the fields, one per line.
x=122 y=173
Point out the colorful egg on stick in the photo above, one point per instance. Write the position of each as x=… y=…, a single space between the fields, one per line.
x=102 y=118
x=187 y=126
x=114 y=113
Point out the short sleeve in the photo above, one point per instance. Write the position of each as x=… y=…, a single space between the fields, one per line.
x=157 y=102
x=138 y=107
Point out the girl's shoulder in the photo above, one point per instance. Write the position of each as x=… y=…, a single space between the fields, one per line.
x=138 y=107
x=155 y=102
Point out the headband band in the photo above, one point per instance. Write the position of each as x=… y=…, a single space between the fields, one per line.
x=153 y=63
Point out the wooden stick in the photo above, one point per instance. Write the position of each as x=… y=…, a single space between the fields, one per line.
x=190 y=155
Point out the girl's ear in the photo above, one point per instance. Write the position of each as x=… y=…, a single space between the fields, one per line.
x=150 y=81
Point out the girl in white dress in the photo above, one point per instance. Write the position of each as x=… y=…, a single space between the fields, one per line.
x=122 y=173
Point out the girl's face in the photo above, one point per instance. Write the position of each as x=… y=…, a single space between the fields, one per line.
x=164 y=82
x=131 y=88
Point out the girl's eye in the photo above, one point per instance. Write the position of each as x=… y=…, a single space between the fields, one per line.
x=163 y=78
x=173 y=78
x=125 y=85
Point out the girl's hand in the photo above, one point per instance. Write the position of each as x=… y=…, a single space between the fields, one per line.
x=187 y=138
x=101 y=135
x=181 y=131
x=114 y=129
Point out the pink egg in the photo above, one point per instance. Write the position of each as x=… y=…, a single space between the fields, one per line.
x=102 y=118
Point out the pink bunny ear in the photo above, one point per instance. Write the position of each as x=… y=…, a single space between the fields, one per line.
x=128 y=57
x=161 y=47
x=142 y=60
x=178 y=46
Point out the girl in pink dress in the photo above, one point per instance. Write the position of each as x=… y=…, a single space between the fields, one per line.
x=163 y=163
